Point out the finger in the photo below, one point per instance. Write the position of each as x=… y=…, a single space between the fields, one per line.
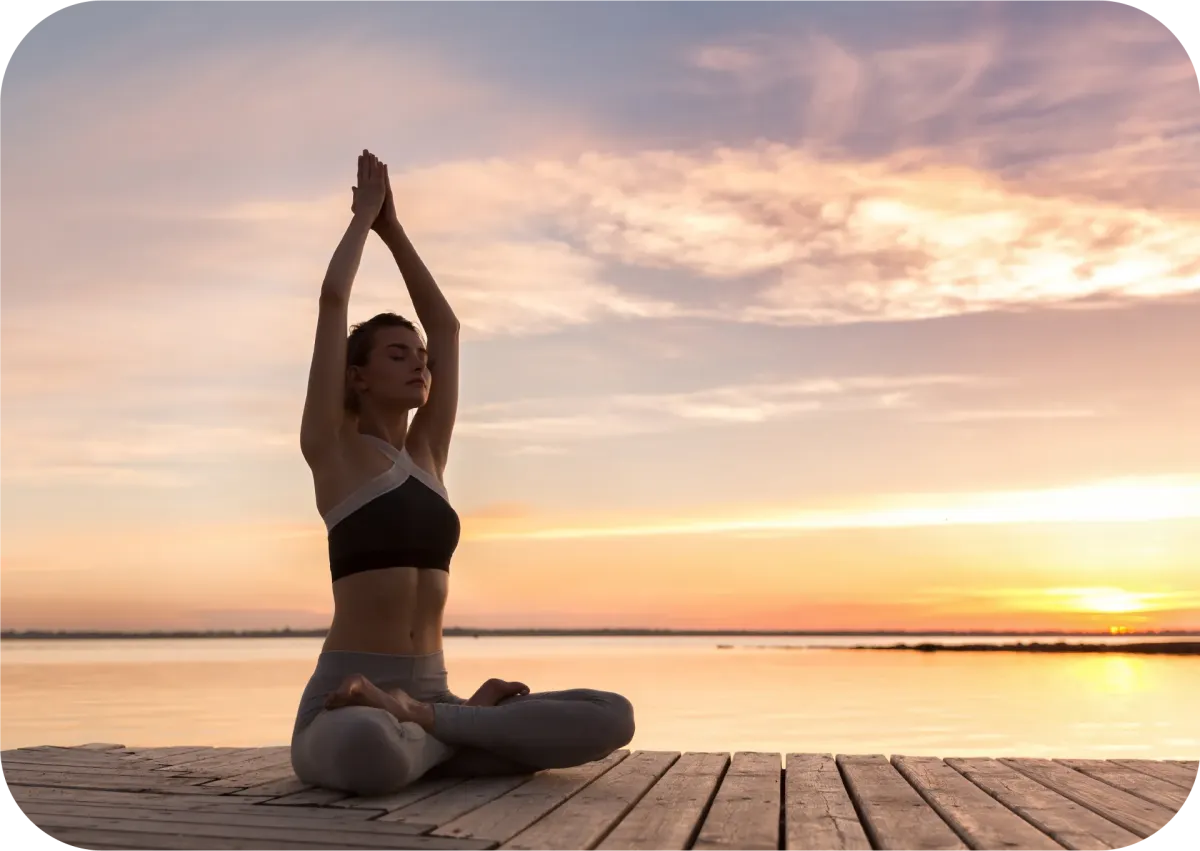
x=362 y=167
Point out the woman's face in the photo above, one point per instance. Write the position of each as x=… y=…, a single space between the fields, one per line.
x=397 y=372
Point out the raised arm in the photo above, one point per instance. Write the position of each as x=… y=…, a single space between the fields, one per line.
x=324 y=403
x=433 y=423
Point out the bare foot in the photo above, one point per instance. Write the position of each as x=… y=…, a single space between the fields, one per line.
x=494 y=691
x=357 y=690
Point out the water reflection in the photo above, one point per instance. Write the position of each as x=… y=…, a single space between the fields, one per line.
x=689 y=695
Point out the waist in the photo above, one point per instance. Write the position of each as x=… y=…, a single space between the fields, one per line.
x=396 y=611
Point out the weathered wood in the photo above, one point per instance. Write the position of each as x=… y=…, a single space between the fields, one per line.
x=894 y=814
x=275 y=788
x=113 y=781
x=502 y=819
x=246 y=759
x=254 y=777
x=668 y=816
x=90 y=839
x=1130 y=780
x=98 y=746
x=126 y=799
x=114 y=770
x=313 y=796
x=457 y=800
x=63 y=756
x=1131 y=812
x=186 y=755
x=978 y=819
x=245 y=815
x=203 y=797
x=745 y=812
x=1068 y=823
x=418 y=791
x=341 y=836
x=818 y=812
x=1171 y=772
x=584 y=818
x=229 y=812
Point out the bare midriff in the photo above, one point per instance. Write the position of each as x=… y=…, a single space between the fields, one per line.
x=397 y=610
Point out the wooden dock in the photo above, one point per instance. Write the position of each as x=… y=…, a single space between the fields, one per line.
x=111 y=796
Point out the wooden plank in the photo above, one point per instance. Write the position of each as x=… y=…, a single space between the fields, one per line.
x=418 y=791
x=1130 y=780
x=1172 y=773
x=1065 y=821
x=457 y=800
x=98 y=746
x=980 y=820
x=121 y=841
x=275 y=788
x=169 y=840
x=114 y=770
x=81 y=759
x=255 y=777
x=195 y=756
x=122 y=799
x=313 y=796
x=1131 y=812
x=668 y=817
x=113 y=782
x=894 y=815
x=179 y=809
x=818 y=812
x=354 y=836
x=158 y=753
x=584 y=819
x=1187 y=763
x=351 y=824
x=502 y=819
x=222 y=764
x=745 y=812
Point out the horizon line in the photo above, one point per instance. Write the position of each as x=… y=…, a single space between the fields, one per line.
x=572 y=631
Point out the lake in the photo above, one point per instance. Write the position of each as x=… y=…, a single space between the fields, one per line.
x=690 y=693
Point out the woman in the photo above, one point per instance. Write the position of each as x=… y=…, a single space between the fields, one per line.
x=377 y=713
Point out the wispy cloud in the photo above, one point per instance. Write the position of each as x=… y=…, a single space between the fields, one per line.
x=584 y=417
x=1110 y=501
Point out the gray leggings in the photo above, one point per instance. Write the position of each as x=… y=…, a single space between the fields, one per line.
x=367 y=751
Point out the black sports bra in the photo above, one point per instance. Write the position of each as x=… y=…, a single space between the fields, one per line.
x=400 y=518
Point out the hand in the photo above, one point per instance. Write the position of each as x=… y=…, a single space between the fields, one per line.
x=386 y=220
x=371 y=190
x=494 y=691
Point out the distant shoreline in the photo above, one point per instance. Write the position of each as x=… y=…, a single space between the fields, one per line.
x=1165 y=648
x=461 y=632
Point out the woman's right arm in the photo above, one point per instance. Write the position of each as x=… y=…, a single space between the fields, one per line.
x=324 y=402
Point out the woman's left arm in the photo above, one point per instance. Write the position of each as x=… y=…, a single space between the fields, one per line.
x=433 y=423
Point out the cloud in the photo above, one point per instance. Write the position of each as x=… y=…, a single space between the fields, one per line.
x=1103 y=106
x=1000 y=414
x=584 y=417
x=1109 y=501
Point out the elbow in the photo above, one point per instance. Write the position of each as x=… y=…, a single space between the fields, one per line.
x=334 y=293
x=445 y=327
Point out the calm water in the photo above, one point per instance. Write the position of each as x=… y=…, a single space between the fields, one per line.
x=689 y=694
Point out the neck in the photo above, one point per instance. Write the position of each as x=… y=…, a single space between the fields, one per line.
x=392 y=427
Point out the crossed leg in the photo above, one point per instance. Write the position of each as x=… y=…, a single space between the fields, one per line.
x=368 y=750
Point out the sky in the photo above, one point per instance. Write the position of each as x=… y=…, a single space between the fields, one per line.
x=780 y=316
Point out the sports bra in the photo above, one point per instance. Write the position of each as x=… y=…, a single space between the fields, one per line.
x=400 y=518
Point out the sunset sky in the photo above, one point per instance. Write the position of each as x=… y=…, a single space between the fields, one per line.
x=793 y=316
